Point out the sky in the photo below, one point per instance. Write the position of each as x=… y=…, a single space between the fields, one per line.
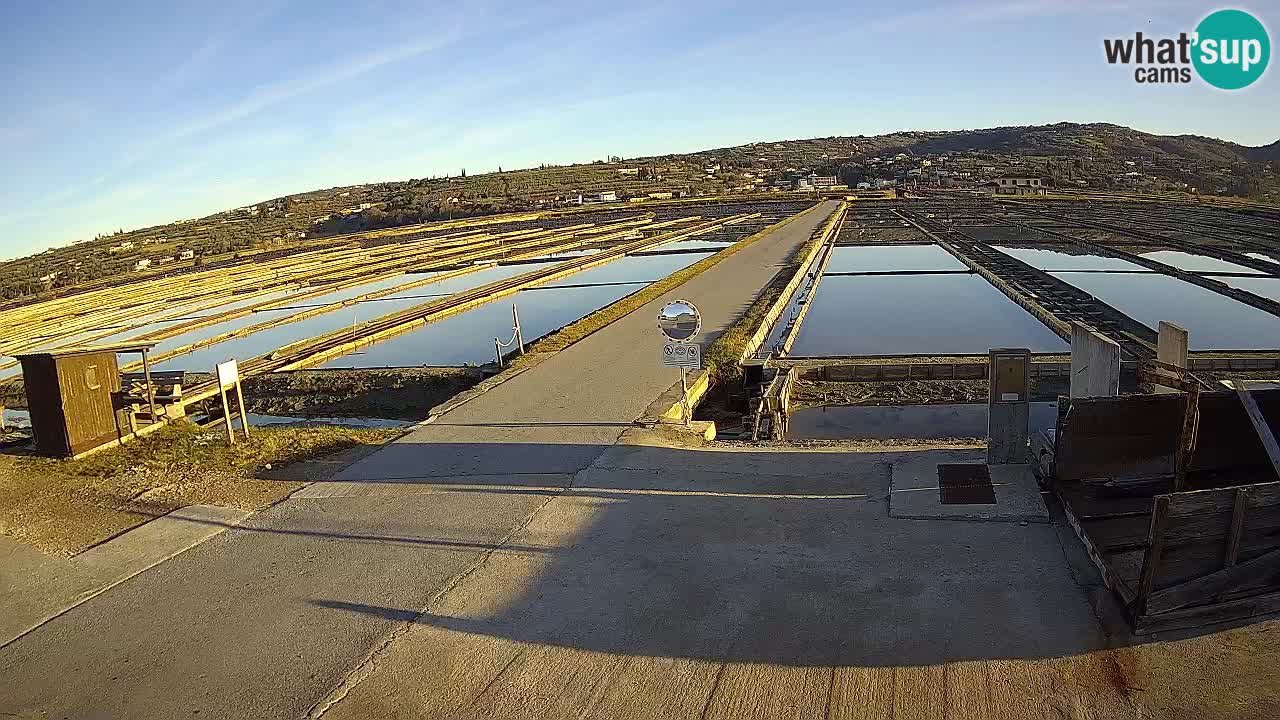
x=124 y=115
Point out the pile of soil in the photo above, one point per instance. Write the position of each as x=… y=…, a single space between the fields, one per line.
x=816 y=393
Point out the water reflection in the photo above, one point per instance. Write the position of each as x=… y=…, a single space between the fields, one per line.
x=890 y=422
x=1267 y=287
x=1059 y=260
x=1214 y=321
x=912 y=314
x=265 y=341
x=467 y=338
x=891 y=258
x=1197 y=263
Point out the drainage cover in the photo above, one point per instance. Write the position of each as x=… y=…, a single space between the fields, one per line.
x=965 y=485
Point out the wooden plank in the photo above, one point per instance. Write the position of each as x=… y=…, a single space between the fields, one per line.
x=1180 y=564
x=1260 y=426
x=1110 y=578
x=1207 y=614
x=1155 y=549
x=1206 y=588
x=1198 y=502
x=1126 y=533
x=1126 y=564
x=1187 y=437
x=1088 y=503
x=1237 y=526
x=1118 y=437
x=1226 y=437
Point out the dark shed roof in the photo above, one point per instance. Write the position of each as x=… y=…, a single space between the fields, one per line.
x=88 y=349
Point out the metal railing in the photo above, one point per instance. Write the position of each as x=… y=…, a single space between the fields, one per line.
x=517 y=336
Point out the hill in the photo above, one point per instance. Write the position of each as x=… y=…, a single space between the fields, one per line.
x=1098 y=155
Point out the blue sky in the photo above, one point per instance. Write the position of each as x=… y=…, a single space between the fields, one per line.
x=122 y=115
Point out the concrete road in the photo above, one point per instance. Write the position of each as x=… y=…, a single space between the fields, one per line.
x=558 y=417
x=682 y=583
x=260 y=621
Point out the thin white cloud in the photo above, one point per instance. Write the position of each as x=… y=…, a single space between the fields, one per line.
x=267 y=96
x=232 y=24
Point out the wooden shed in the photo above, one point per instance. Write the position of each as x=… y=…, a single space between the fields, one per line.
x=71 y=396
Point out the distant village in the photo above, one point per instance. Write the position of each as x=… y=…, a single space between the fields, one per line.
x=815 y=166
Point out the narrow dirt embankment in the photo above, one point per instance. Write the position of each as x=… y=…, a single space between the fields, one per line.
x=402 y=393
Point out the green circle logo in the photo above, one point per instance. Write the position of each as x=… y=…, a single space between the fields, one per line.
x=1232 y=49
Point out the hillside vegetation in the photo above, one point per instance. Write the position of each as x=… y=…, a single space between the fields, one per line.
x=1095 y=156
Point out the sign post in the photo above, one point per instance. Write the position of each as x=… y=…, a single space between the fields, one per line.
x=679 y=321
x=229 y=378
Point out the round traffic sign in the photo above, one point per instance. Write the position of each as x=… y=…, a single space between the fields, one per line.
x=679 y=320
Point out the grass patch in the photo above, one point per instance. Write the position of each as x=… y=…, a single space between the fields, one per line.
x=723 y=358
x=63 y=507
x=182 y=447
x=580 y=329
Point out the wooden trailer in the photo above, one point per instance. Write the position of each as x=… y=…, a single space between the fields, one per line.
x=1176 y=499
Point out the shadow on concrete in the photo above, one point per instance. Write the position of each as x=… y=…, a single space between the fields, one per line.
x=384 y=613
x=752 y=556
x=747 y=555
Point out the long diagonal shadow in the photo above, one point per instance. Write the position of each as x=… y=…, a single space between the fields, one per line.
x=743 y=556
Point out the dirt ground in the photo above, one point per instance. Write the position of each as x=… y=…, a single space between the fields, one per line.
x=63 y=507
x=1223 y=675
x=815 y=393
x=399 y=393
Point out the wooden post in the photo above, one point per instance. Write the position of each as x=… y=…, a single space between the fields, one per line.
x=1155 y=551
x=1095 y=363
x=1237 y=527
x=226 y=415
x=244 y=414
x=1187 y=440
x=3 y=429
x=1171 y=348
x=151 y=390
